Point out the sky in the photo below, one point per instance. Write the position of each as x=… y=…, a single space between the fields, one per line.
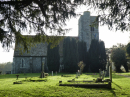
x=110 y=38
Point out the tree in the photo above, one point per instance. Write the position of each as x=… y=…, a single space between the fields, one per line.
x=82 y=54
x=97 y=56
x=16 y=15
x=94 y=56
x=119 y=58
x=70 y=55
x=53 y=58
x=128 y=49
x=112 y=12
x=39 y=16
x=102 y=55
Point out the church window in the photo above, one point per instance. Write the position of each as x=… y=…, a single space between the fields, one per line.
x=22 y=63
x=92 y=28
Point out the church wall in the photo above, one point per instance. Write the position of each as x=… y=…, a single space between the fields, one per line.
x=30 y=64
x=37 y=63
x=18 y=67
x=39 y=50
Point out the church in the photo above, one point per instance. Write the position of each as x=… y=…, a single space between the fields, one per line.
x=32 y=62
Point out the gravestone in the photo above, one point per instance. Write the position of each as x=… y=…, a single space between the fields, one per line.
x=110 y=73
x=78 y=72
x=108 y=64
x=52 y=73
x=100 y=73
x=56 y=72
x=42 y=73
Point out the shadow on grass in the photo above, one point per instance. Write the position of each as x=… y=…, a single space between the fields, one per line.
x=117 y=85
x=6 y=76
x=113 y=92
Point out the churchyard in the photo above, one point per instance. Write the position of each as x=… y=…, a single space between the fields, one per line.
x=33 y=86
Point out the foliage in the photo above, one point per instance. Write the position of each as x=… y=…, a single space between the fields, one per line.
x=119 y=58
x=128 y=49
x=17 y=16
x=112 y=12
x=97 y=55
x=102 y=55
x=81 y=66
x=70 y=55
x=5 y=67
x=83 y=54
x=53 y=58
x=40 y=16
x=94 y=56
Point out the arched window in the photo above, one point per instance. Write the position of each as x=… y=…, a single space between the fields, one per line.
x=22 y=63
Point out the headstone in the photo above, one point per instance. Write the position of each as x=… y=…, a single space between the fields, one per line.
x=78 y=72
x=100 y=73
x=103 y=74
x=56 y=72
x=110 y=73
x=52 y=73
x=107 y=67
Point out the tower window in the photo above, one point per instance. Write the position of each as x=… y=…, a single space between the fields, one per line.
x=92 y=28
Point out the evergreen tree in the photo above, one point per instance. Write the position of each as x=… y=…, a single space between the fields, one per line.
x=66 y=53
x=82 y=54
x=128 y=49
x=119 y=58
x=53 y=58
x=73 y=56
x=70 y=56
x=94 y=56
x=102 y=55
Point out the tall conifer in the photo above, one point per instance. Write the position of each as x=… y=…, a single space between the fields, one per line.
x=53 y=58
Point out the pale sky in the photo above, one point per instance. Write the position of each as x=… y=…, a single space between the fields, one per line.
x=110 y=38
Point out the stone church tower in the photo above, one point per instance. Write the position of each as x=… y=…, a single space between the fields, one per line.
x=86 y=32
x=32 y=62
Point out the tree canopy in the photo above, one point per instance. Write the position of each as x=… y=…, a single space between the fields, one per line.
x=17 y=16
x=119 y=58
x=128 y=49
x=112 y=12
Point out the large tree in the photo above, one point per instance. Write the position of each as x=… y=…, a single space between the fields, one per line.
x=17 y=16
x=128 y=49
x=94 y=56
x=83 y=54
x=112 y=12
x=53 y=58
x=97 y=56
x=102 y=55
x=119 y=58
x=70 y=55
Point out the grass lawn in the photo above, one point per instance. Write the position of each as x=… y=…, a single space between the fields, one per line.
x=120 y=86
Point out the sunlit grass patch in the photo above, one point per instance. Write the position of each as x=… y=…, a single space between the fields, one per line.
x=120 y=86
